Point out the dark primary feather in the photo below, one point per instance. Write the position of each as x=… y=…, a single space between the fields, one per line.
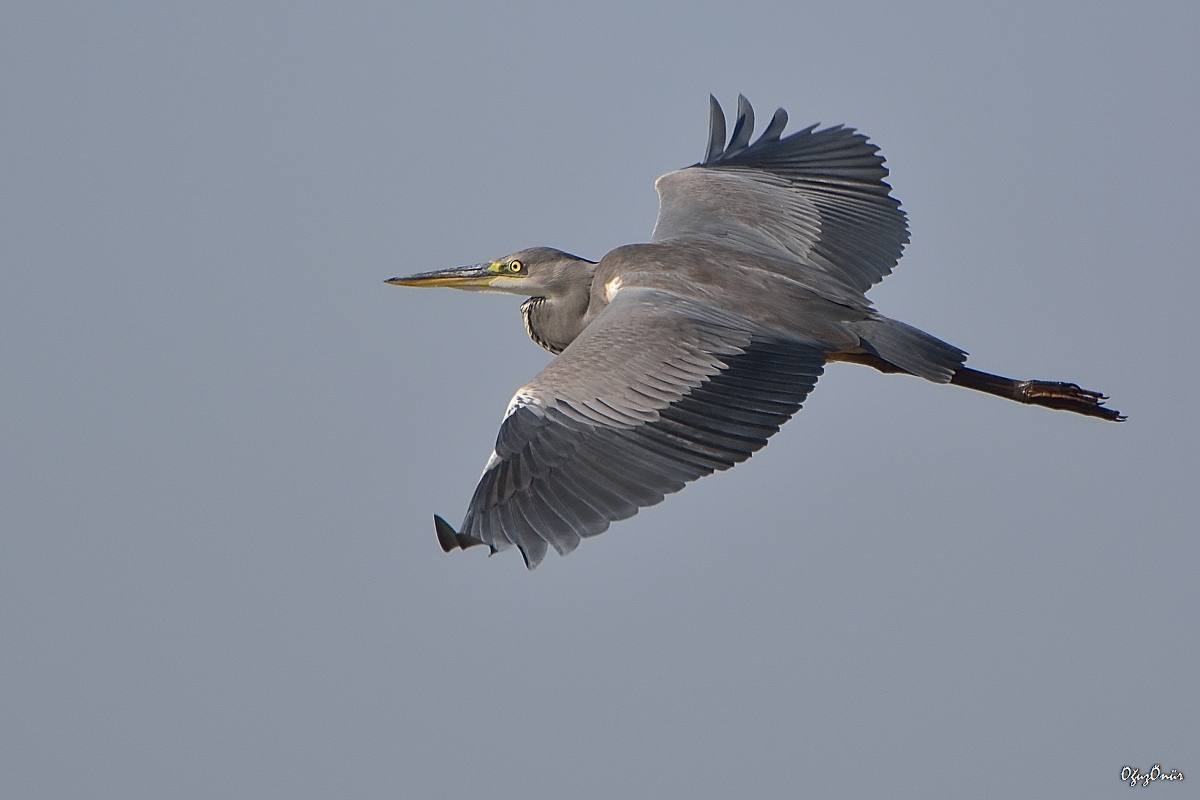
x=716 y=129
x=657 y=392
x=743 y=127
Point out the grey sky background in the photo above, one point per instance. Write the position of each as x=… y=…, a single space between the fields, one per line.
x=222 y=437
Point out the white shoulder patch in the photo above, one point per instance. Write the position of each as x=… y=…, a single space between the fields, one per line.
x=521 y=398
x=611 y=288
x=663 y=181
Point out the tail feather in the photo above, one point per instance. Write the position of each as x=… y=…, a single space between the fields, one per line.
x=911 y=349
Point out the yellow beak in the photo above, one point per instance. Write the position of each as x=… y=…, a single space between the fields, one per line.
x=476 y=276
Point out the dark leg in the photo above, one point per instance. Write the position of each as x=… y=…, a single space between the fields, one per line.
x=1051 y=394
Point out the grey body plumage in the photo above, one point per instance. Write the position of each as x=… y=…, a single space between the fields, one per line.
x=682 y=356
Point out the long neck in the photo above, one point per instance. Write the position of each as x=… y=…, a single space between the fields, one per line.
x=554 y=322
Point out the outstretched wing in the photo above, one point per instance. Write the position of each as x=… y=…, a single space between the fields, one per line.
x=816 y=196
x=656 y=392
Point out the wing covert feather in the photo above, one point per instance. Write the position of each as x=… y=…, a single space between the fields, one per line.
x=607 y=428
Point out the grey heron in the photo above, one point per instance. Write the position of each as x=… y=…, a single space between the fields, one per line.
x=682 y=356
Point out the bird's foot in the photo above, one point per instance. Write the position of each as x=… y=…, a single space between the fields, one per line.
x=1066 y=397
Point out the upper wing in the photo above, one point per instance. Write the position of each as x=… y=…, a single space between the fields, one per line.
x=656 y=392
x=818 y=196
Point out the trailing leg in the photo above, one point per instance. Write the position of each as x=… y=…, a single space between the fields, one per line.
x=1050 y=394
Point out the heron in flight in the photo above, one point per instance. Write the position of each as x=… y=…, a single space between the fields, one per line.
x=682 y=356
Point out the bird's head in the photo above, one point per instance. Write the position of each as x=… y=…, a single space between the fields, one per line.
x=538 y=271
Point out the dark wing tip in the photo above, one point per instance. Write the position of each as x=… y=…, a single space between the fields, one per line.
x=743 y=128
x=449 y=538
x=716 y=130
x=778 y=123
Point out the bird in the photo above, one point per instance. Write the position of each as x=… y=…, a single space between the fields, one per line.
x=682 y=356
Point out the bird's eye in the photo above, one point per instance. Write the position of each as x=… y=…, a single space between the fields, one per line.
x=516 y=266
